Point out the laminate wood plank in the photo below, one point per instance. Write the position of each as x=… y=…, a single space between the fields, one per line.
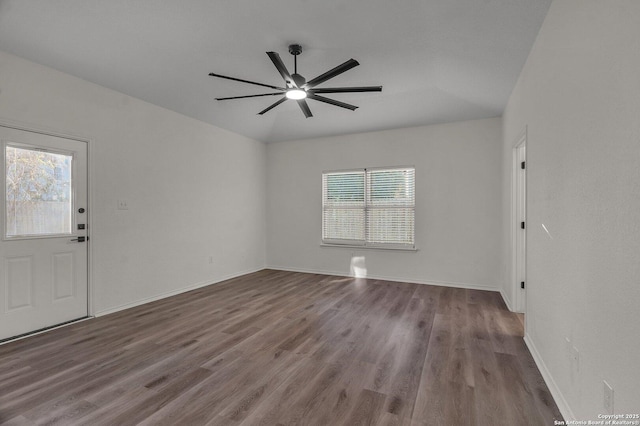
x=355 y=344
x=388 y=419
x=284 y=348
x=204 y=401
x=17 y=400
x=445 y=301
x=344 y=395
x=340 y=393
x=490 y=400
x=500 y=339
x=430 y=404
x=391 y=326
x=368 y=325
x=221 y=421
x=16 y=421
x=292 y=343
x=414 y=331
x=15 y=374
x=367 y=409
x=65 y=414
x=244 y=401
x=152 y=404
x=271 y=410
x=33 y=375
x=522 y=410
x=161 y=374
x=459 y=401
x=309 y=399
x=542 y=398
x=112 y=409
x=90 y=379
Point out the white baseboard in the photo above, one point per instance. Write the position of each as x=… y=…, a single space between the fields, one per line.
x=172 y=293
x=28 y=335
x=507 y=301
x=563 y=406
x=385 y=278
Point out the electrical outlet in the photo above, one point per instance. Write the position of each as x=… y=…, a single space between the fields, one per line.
x=123 y=205
x=608 y=398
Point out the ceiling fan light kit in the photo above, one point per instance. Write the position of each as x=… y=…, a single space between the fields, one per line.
x=298 y=89
x=296 y=94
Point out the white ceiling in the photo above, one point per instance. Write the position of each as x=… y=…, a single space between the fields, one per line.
x=437 y=60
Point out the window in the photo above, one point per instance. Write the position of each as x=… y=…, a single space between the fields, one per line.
x=369 y=207
x=37 y=192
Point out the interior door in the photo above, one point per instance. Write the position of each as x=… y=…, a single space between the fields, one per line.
x=43 y=251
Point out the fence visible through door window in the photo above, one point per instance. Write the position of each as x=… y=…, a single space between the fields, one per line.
x=38 y=195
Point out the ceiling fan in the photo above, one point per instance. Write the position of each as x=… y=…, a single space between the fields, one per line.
x=298 y=89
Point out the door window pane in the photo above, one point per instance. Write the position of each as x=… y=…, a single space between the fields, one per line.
x=38 y=192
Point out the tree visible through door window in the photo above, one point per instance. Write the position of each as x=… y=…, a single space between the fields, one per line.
x=37 y=192
x=369 y=207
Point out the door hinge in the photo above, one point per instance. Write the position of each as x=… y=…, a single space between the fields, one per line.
x=521 y=284
x=522 y=225
x=522 y=165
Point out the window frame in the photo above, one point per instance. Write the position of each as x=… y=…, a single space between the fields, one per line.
x=365 y=209
x=35 y=147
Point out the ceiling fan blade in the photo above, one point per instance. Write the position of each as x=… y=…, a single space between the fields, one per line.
x=248 y=96
x=331 y=101
x=332 y=73
x=272 y=106
x=305 y=108
x=246 y=81
x=347 y=89
x=275 y=58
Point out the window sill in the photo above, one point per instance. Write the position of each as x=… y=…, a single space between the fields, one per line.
x=351 y=247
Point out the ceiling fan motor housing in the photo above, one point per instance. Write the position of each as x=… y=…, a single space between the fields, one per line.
x=295 y=49
x=299 y=80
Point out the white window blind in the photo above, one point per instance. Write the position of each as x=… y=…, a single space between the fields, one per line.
x=370 y=207
x=343 y=202
x=391 y=206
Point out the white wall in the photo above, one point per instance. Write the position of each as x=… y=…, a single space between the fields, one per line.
x=458 y=202
x=579 y=96
x=194 y=190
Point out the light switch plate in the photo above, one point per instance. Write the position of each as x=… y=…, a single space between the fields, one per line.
x=123 y=205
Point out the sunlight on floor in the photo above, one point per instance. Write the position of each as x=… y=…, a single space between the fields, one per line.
x=358 y=267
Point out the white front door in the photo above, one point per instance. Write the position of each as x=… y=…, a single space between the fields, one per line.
x=43 y=250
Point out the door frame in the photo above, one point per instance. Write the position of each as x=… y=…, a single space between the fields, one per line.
x=519 y=214
x=28 y=127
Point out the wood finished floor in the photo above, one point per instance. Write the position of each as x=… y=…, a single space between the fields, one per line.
x=283 y=348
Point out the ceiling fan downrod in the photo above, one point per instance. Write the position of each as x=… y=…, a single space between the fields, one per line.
x=295 y=50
